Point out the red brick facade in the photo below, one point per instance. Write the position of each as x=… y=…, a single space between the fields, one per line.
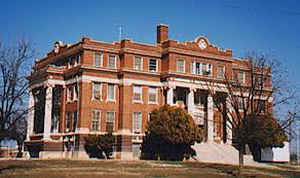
x=75 y=65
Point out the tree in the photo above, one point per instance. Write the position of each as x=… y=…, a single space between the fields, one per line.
x=14 y=66
x=99 y=146
x=247 y=98
x=170 y=134
x=261 y=131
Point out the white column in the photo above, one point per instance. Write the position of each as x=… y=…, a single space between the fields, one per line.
x=48 y=113
x=191 y=102
x=30 y=118
x=228 y=124
x=210 y=119
x=170 y=95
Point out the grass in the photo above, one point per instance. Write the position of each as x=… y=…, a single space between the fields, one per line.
x=148 y=169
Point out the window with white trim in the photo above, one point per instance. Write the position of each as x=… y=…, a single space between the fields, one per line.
x=180 y=65
x=198 y=70
x=98 y=59
x=241 y=76
x=112 y=61
x=68 y=121
x=220 y=72
x=77 y=60
x=75 y=115
x=75 y=92
x=111 y=92
x=200 y=99
x=110 y=121
x=69 y=62
x=152 y=94
x=138 y=63
x=97 y=91
x=137 y=122
x=69 y=94
x=153 y=65
x=137 y=93
x=206 y=69
x=96 y=114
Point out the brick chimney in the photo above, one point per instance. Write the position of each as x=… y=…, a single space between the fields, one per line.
x=162 y=33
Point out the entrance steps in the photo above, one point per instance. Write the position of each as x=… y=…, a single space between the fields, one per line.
x=219 y=153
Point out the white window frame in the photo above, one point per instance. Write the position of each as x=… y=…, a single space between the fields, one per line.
x=77 y=60
x=114 y=120
x=139 y=89
x=152 y=102
x=115 y=61
x=69 y=94
x=194 y=68
x=93 y=120
x=137 y=129
x=75 y=93
x=114 y=92
x=93 y=89
x=207 y=69
x=223 y=70
x=177 y=65
x=141 y=67
x=101 y=59
x=156 y=65
x=243 y=77
x=69 y=62
x=68 y=120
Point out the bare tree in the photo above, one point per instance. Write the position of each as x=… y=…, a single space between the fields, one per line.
x=15 y=64
x=259 y=89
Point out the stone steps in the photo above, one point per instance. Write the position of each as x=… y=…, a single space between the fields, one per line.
x=219 y=153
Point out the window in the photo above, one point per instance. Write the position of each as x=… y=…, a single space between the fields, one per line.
x=98 y=59
x=69 y=94
x=200 y=99
x=95 y=120
x=68 y=122
x=77 y=60
x=241 y=103
x=153 y=65
x=96 y=91
x=259 y=81
x=198 y=68
x=241 y=77
x=75 y=92
x=152 y=95
x=180 y=65
x=112 y=61
x=138 y=63
x=137 y=122
x=110 y=121
x=261 y=106
x=220 y=72
x=206 y=69
x=111 y=92
x=137 y=93
x=75 y=114
x=69 y=62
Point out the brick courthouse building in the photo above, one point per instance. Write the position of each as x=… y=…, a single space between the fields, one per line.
x=92 y=87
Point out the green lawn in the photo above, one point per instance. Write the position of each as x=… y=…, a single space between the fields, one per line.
x=124 y=169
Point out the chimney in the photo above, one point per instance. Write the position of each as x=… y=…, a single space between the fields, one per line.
x=162 y=33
